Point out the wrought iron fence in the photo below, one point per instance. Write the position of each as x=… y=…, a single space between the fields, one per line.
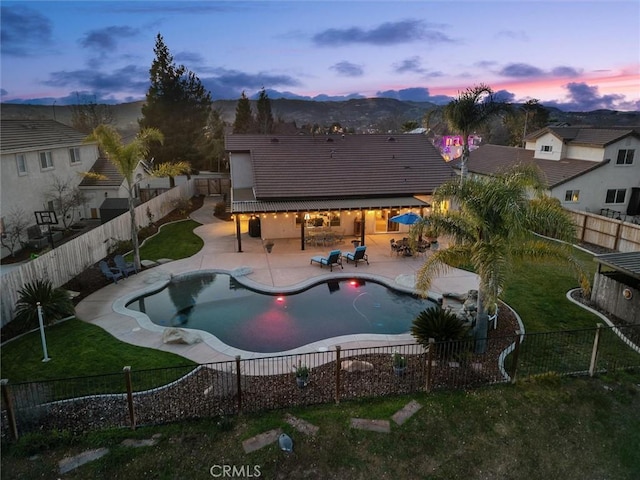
x=165 y=395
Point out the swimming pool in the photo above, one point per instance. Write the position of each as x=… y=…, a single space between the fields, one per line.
x=255 y=321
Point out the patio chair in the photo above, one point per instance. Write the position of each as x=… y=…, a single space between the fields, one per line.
x=332 y=259
x=395 y=247
x=125 y=267
x=111 y=273
x=357 y=255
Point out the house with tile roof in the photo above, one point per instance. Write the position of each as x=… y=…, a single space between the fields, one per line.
x=588 y=169
x=352 y=184
x=33 y=154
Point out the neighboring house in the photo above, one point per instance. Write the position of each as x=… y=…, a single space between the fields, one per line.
x=352 y=184
x=34 y=154
x=589 y=169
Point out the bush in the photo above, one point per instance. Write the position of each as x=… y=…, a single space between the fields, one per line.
x=449 y=332
x=220 y=209
x=182 y=205
x=56 y=303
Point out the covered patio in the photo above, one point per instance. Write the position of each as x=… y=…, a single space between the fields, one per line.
x=325 y=189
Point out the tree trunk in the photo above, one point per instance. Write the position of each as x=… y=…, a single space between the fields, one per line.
x=134 y=232
x=465 y=160
x=482 y=325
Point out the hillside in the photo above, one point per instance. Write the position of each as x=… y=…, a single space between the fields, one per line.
x=361 y=115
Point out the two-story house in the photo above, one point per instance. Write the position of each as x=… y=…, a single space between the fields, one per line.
x=37 y=155
x=588 y=169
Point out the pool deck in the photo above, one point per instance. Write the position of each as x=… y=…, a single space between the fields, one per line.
x=285 y=268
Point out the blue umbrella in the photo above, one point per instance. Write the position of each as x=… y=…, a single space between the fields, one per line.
x=408 y=218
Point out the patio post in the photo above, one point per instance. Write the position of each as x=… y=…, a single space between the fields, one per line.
x=363 y=214
x=238 y=233
x=302 y=222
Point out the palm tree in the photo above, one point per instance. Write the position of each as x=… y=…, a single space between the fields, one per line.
x=126 y=158
x=494 y=225
x=470 y=111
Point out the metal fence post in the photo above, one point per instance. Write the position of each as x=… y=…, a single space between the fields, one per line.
x=516 y=354
x=238 y=378
x=8 y=402
x=432 y=346
x=594 y=351
x=338 y=374
x=127 y=381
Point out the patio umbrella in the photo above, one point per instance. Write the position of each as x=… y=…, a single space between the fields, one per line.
x=408 y=218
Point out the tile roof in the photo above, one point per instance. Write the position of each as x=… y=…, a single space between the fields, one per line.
x=599 y=137
x=356 y=166
x=492 y=159
x=25 y=135
x=104 y=167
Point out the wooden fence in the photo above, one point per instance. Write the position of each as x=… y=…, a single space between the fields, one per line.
x=606 y=232
x=71 y=258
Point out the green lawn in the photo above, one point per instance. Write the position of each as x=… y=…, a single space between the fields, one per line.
x=537 y=291
x=76 y=349
x=175 y=241
x=545 y=428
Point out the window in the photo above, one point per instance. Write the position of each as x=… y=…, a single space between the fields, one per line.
x=21 y=163
x=615 y=195
x=625 y=157
x=46 y=161
x=572 y=196
x=546 y=148
x=74 y=155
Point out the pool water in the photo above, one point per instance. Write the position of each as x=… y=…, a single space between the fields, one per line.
x=262 y=322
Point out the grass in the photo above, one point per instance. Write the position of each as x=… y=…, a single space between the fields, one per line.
x=543 y=427
x=547 y=427
x=175 y=241
x=76 y=349
x=537 y=291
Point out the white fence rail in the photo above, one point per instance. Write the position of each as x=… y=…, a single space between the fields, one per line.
x=71 y=258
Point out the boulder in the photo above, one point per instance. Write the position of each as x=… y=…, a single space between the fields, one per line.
x=355 y=366
x=179 y=335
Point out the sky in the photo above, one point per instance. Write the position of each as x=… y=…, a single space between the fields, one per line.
x=570 y=54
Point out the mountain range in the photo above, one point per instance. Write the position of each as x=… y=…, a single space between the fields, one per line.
x=360 y=115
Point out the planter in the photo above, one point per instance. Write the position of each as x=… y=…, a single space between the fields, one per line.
x=268 y=246
x=302 y=381
x=399 y=371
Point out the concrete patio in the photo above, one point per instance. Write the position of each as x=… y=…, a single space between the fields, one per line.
x=285 y=268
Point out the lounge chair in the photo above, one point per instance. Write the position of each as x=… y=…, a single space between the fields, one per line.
x=332 y=259
x=357 y=255
x=125 y=267
x=111 y=273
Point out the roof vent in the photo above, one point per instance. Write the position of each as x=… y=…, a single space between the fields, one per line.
x=330 y=140
x=391 y=139
x=274 y=140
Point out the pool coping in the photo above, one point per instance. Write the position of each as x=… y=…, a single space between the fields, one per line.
x=144 y=322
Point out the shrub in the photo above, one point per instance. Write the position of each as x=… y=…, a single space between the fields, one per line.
x=220 y=209
x=56 y=303
x=181 y=205
x=449 y=332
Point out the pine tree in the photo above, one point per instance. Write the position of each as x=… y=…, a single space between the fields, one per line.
x=264 y=118
x=244 y=116
x=178 y=106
